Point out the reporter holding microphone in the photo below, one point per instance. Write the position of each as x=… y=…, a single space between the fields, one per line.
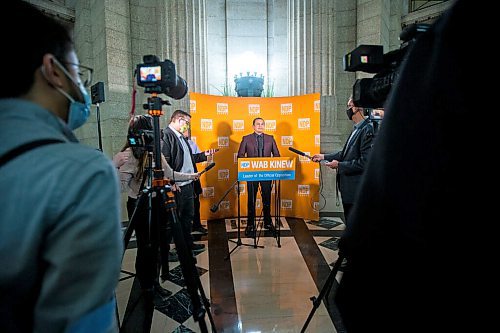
x=351 y=160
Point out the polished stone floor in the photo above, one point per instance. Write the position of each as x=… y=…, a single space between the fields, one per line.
x=250 y=289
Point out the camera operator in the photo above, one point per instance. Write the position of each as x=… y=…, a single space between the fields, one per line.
x=179 y=156
x=131 y=176
x=351 y=160
x=408 y=267
x=60 y=239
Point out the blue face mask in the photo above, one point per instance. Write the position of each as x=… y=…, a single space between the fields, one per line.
x=79 y=112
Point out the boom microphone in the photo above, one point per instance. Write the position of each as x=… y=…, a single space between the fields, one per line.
x=296 y=151
x=210 y=166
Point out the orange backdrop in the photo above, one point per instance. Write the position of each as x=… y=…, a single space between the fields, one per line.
x=221 y=122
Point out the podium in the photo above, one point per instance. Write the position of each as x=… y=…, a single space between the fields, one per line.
x=272 y=169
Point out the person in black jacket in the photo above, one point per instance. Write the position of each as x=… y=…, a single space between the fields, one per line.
x=421 y=229
x=351 y=160
x=180 y=157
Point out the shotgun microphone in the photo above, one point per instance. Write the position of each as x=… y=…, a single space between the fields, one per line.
x=298 y=152
x=210 y=166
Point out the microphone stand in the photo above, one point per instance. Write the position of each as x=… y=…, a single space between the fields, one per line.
x=214 y=208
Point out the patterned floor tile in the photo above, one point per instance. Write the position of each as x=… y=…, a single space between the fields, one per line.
x=331 y=243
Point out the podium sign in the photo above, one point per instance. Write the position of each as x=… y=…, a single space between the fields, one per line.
x=266 y=168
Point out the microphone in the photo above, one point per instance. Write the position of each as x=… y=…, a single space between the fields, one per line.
x=210 y=166
x=301 y=153
x=214 y=208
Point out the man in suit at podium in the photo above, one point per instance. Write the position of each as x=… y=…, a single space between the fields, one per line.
x=258 y=144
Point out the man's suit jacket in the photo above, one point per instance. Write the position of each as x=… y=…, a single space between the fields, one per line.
x=352 y=160
x=173 y=152
x=248 y=146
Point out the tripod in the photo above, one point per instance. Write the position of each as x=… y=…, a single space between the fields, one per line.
x=157 y=201
x=324 y=291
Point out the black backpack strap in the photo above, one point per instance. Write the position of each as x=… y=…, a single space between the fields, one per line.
x=11 y=154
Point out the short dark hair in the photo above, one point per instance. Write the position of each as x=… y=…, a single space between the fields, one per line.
x=253 y=122
x=23 y=54
x=178 y=114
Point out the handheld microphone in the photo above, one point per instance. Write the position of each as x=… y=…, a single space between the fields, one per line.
x=214 y=208
x=301 y=153
x=210 y=166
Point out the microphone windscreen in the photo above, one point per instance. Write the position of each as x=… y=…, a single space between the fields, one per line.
x=214 y=208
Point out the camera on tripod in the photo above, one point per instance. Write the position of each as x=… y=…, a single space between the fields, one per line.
x=160 y=77
x=141 y=138
x=372 y=92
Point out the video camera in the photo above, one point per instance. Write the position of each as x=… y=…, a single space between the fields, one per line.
x=141 y=138
x=372 y=92
x=160 y=77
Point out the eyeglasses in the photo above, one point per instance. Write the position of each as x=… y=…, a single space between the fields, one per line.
x=185 y=120
x=84 y=72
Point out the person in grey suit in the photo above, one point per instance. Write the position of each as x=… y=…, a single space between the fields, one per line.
x=258 y=144
x=351 y=160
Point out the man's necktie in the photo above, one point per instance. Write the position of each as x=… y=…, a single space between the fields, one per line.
x=260 y=145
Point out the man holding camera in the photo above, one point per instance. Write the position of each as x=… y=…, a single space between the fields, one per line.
x=60 y=238
x=351 y=160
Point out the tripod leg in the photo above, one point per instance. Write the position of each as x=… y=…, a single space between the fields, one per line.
x=186 y=259
x=324 y=291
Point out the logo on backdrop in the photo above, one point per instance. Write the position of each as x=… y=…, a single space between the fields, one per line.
x=254 y=109
x=192 y=106
x=208 y=192
x=304 y=123
x=243 y=189
x=316 y=173
x=287 y=140
x=223 y=174
x=225 y=205
x=317 y=140
x=286 y=204
x=317 y=106
x=238 y=125
x=223 y=141
x=222 y=108
x=271 y=125
x=206 y=124
x=286 y=108
x=235 y=158
x=305 y=159
x=303 y=190
x=258 y=203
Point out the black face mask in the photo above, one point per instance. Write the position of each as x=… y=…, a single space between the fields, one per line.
x=349 y=113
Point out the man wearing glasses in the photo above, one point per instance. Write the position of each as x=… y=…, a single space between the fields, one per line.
x=180 y=157
x=60 y=238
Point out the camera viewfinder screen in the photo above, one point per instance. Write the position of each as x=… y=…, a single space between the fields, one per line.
x=150 y=74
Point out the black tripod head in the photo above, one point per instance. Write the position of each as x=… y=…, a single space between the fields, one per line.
x=154 y=106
